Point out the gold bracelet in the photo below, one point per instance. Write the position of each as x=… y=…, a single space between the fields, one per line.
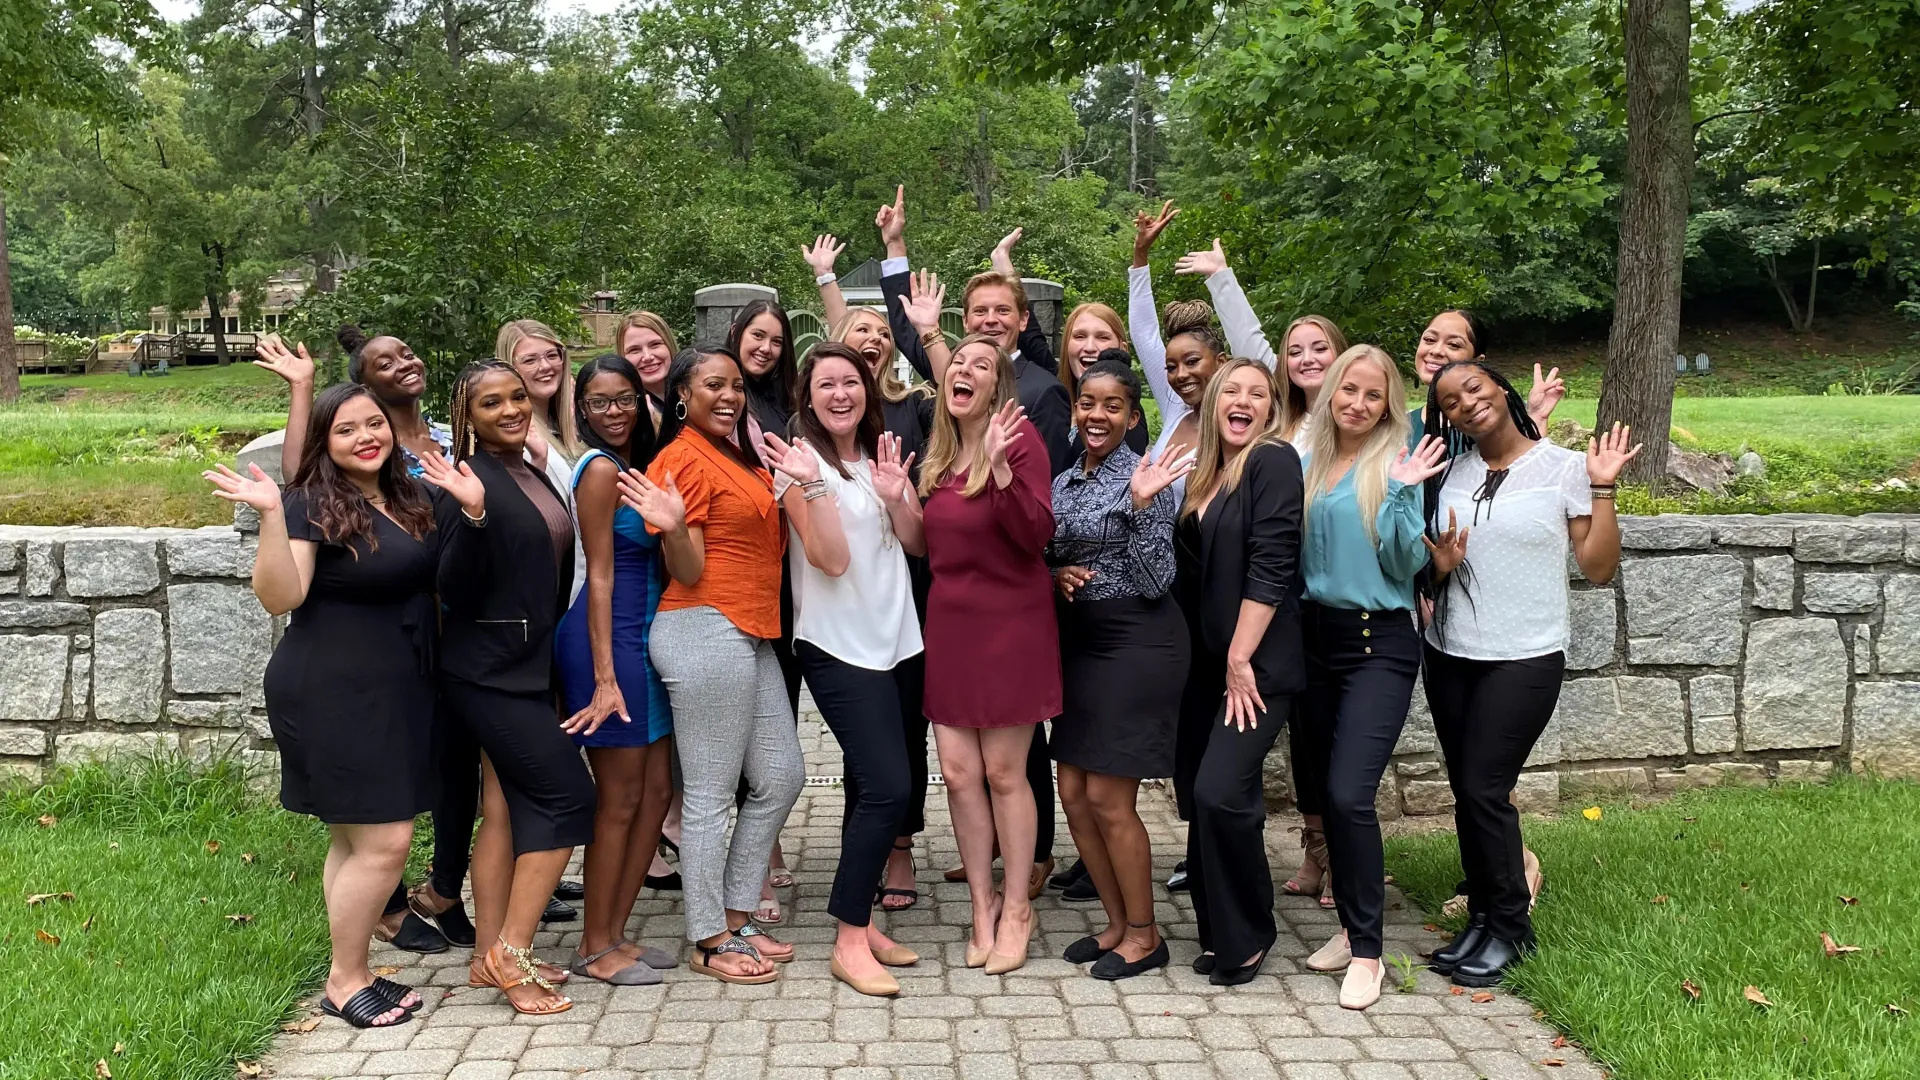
x=930 y=338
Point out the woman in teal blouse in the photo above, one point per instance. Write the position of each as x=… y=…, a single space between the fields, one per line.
x=1364 y=544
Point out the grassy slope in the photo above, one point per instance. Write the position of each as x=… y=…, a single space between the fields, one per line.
x=1751 y=880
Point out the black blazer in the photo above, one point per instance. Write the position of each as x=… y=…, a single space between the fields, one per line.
x=1247 y=547
x=500 y=594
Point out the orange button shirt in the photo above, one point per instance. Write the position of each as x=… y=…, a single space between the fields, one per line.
x=734 y=508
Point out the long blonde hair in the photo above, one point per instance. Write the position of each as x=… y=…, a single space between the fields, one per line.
x=1377 y=453
x=556 y=420
x=1212 y=469
x=944 y=446
x=1299 y=409
x=887 y=379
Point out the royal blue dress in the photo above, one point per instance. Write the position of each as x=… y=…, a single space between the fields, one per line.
x=639 y=576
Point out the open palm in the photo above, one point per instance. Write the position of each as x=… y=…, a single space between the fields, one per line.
x=892 y=477
x=1426 y=460
x=256 y=489
x=659 y=505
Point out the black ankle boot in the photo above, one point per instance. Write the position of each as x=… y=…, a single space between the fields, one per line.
x=1445 y=957
x=1489 y=963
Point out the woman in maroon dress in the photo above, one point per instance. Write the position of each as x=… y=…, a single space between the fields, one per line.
x=993 y=651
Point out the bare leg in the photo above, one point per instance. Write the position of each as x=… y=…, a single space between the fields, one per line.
x=368 y=864
x=1084 y=823
x=973 y=828
x=669 y=830
x=1003 y=752
x=643 y=841
x=492 y=872
x=1129 y=857
x=618 y=773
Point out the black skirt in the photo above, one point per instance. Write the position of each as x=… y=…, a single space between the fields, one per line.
x=1123 y=665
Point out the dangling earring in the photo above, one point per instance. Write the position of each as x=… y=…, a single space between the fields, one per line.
x=680 y=409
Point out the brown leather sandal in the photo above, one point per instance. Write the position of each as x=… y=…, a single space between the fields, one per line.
x=524 y=972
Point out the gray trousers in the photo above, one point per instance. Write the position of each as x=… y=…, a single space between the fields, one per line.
x=730 y=717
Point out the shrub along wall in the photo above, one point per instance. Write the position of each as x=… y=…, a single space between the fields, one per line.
x=1728 y=649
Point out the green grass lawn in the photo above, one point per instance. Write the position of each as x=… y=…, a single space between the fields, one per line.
x=142 y=966
x=1727 y=889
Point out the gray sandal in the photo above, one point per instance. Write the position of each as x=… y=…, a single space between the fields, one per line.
x=658 y=958
x=637 y=973
x=750 y=931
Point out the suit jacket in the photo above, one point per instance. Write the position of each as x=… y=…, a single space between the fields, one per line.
x=500 y=592
x=1247 y=547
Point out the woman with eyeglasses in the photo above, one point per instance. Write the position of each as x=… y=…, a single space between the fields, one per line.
x=538 y=354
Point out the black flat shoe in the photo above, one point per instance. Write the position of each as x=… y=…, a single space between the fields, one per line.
x=1238 y=976
x=1084 y=951
x=1447 y=956
x=397 y=993
x=415 y=935
x=1489 y=963
x=1065 y=878
x=665 y=882
x=1113 y=966
x=558 y=911
x=1177 y=881
x=569 y=890
x=1205 y=963
x=363 y=1008
x=1080 y=892
x=452 y=923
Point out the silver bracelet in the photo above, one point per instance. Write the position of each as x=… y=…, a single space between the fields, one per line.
x=827 y=278
x=477 y=522
x=808 y=492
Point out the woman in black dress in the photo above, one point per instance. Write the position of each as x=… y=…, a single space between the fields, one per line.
x=351 y=551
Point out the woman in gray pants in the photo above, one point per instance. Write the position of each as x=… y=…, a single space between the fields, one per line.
x=712 y=503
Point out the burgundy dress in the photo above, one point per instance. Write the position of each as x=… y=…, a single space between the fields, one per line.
x=993 y=649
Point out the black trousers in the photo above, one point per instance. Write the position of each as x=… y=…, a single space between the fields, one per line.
x=1199 y=702
x=1226 y=836
x=1487 y=715
x=454 y=813
x=549 y=792
x=864 y=709
x=1040 y=778
x=1360 y=672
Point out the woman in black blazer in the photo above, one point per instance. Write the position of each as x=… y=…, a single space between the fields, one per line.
x=1237 y=544
x=505 y=569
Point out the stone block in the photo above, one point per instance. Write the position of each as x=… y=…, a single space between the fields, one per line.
x=1710 y=706
x=1913 y=542
x=246 y=519
x=1666 y=532
x=220 y=639
x=1886 y=728
x=1684 y=609
x=80 y=680
x=204 y=748
x=1386 y=799
x=1699 y=776
x=1416 y=735
x=207 y=714
x=112 y=566
x=1842 y=541
x=1546 y=749
x=1417 y=768
x=130 y=678
x=1752 y=530
x=1537 y=792
x=1841 y=594
x=1898 y=649
x=41 y=614
x=42 y=569
x=1773 y=581
x=9 y=555
x=1805 y=772
x=1427 y=796
x=1593 y=619
x=1795 y=694
x=27 y=771
x=87 y=746
x=210 y=552
x=19 y=740
x=1862 y=649
x=1624 y=779
x=1622 y=718
x=9 y=584
x=33 y=677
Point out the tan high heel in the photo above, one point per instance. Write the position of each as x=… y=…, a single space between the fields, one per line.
x=977 y=957
x=881 y=985
x=999 y=963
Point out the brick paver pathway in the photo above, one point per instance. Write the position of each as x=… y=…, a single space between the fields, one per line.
x=1047 y=1021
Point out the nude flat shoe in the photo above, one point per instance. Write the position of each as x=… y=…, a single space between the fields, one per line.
x=1361 y=989
x=1333 y=956
x=897 y=956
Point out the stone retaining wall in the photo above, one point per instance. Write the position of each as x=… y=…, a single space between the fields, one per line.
x=1728 y=649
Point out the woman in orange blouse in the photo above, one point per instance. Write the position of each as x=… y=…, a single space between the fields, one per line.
x=712 y=503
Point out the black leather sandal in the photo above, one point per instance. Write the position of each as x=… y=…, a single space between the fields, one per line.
x=397 y=993
x=363 y=1008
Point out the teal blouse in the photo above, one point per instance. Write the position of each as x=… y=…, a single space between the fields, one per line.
x=1344 y=569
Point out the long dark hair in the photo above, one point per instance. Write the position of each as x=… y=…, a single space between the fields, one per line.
x=645 y=441
x=1458 y=443
x=462 y=421
x=334 y=503
x=679 y=376
x=807 y=424
x=775 y=389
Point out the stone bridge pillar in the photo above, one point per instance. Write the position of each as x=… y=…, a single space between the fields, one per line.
x=715 y=306
x=1047 y=301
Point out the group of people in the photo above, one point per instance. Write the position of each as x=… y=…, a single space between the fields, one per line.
x=645 y=557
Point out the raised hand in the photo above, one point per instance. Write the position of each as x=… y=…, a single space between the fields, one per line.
x=1243 y=696
x=794 y=460
x=1426 y=460
x=1003 y=430
x=892 y=478
x=1067 y=579
x=457 y=481
x=823 y=254
x=1451 y=550
x=1147 y=229
x=1545 y=395
x=1204 y=263
x=1151 y=477
x=607 y=702
x=892 y=219
x=659 y=505
x=256 y=489
x=293 y=365
x=924 y=300
x=1609 y=454
x=1002 y=258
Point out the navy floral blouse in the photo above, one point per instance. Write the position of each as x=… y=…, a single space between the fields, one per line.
x=1095 y=525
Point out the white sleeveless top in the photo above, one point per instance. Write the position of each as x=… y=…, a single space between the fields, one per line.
x=865 y=616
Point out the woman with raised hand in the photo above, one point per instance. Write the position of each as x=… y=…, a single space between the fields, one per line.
x=1124 y=653
x=993 y=652
x=1238 y=542
x=711 y=502
x=505 y=571
x=350 y=551
x=1177 y=370
x=854 y=518
x=1501 y=519
x=600 y=650
x=645 y=340
x=1363 y=551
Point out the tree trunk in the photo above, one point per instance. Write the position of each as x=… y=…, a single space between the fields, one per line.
x=1813 y=284
x=450 y=29
x=9 y=360
x=1784 y=290
x=982 y=166
x=1133 y=134
x=216 y=290
x=1638 y=386
x=313 y=117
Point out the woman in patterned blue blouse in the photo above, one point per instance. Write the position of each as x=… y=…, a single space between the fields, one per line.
x=1123 y=659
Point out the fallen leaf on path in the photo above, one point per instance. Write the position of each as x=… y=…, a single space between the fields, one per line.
x=1482 y=997
x=1455 y=991
x=45 y=938
x=100 y=1070
x=387 y=969
x=1553 y=1063
x=1431 y=928
x=1661 y=899
x=247 y=1068
x=1560 y=1042
x=48 y=821
x=1753 y=994
x=301 y=1027
x=213 y=847
x=1849 y=901
x=238 y=919
x=1833 y=948
x=1692 y=988
x=1591 y=813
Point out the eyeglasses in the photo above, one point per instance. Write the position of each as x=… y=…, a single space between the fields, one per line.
x=551 y=356
x=624 y=403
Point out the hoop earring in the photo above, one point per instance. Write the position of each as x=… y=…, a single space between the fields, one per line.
x=680 y=409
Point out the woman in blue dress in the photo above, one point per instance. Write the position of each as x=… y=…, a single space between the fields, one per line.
x=600 y=650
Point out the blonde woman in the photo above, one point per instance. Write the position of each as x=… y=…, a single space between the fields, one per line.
x=1237 y=543
x=1364 y=527
x=647 y=342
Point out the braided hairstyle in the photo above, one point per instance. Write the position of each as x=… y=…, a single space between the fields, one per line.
x=462 y=423
x=1193 y=317
x=1458 y=443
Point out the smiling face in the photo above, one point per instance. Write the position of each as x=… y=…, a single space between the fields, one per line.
x=1086 y=337
x=647 y=351
x=761 y=344
x=714 y=393
x=500 y=409
x=1446 y=339
x=391 y=371
x=991 y=310
x=1309 y=354
x=1103 y=412
x=868 y=334
x=1190 y=363
x=837 y=396
x=1361 y=398
x=612 y=407
x=1473 y=402
x=360 y=439
x=972 y=376
x=542 y=364
x=1245 y=408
